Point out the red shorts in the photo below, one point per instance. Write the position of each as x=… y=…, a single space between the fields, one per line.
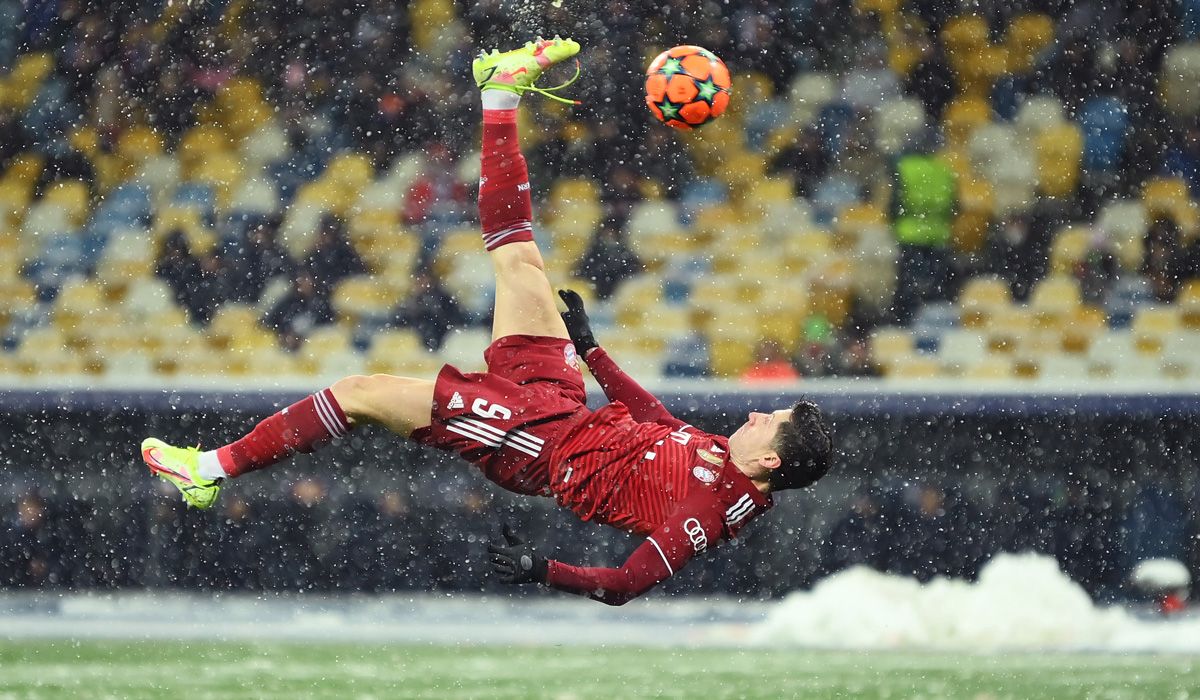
x=508 y=420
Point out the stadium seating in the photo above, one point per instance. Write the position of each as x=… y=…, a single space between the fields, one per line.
x=78 y=254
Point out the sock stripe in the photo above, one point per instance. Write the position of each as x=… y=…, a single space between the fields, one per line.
x=327 y=415
x=491 y=240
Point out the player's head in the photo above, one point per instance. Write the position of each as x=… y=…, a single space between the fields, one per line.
x=790 y=448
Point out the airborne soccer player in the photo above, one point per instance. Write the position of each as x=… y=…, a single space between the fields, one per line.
x=524 y=421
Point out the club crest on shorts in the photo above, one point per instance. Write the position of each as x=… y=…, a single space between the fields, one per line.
x=570 y=356
x=704 y=474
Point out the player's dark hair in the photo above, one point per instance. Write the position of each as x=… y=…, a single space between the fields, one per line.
x=804 y=445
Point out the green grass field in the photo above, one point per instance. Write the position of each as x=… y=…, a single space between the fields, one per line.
x=98 y=669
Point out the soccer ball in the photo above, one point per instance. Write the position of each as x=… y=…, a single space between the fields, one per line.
x=687 y=86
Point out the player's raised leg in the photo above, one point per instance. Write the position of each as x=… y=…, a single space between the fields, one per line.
x=399 y=403
x=524 y=300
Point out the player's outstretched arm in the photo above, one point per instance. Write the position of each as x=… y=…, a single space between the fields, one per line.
x=687 y=532
x=617 y=385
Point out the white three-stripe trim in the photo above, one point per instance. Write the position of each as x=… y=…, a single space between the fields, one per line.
x=494 y=437
x=664 y=557
x=328 y=416
x=740 y=509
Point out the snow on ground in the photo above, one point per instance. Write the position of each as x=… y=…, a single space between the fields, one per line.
x=1021 y=602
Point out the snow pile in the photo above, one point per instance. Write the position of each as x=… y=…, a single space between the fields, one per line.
x=1021 y=602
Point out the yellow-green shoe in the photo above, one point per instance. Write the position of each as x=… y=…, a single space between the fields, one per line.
x=180 y=466
x=517 y=70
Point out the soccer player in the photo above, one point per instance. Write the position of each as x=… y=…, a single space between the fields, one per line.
x=524 y=421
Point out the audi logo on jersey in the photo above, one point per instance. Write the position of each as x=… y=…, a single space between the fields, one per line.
x=695 y=533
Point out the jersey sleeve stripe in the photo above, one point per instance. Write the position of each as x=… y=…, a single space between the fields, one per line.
x=664 y=556
x=742 y=502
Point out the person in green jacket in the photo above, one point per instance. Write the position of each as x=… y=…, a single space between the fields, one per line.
x=924 y=201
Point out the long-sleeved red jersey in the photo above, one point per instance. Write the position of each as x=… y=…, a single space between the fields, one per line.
x=634 y=466
x=630 y=464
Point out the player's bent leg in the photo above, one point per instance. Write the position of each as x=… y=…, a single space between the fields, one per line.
x=524 y=300
x=401 y=404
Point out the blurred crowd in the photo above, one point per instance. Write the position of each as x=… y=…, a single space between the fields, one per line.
x=315 y=535
x=384 y=80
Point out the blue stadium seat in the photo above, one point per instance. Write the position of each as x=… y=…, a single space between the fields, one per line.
x=127 y=206
x=1105 y=125
x=1189 y=24
x=700 y=193
x=199 y=195
x=832 y=122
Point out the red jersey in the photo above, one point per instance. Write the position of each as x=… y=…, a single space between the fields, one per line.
x=630 y=464
x=634 y=466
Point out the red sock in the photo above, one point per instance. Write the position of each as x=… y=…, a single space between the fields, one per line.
x=505 y=211
x=303 y=427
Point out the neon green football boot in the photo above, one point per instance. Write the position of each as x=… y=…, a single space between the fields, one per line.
x=179 y=466
x=517 y=70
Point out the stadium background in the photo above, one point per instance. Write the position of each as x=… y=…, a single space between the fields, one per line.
x=253 y=199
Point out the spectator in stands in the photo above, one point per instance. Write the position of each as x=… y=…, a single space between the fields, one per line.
x=31 y=553
x=931 y=81
x=608 y=261
x=804 y=160
x=1085 y=533
x=1097 y=270
x=332 y=257
x=303 y=309
x=254 y=259
x=430 y=309
x=859 y=537
x=689 y=355
x=855 y=359
x=770 y=365
x=662 y=158
x=924 y=200
x=1163 y=259
x=1183 y=156
x=196 y=279
x=815 y=355
x=437 y=196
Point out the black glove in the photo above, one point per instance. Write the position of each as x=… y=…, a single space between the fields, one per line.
x=516 y=562
x=578 y=326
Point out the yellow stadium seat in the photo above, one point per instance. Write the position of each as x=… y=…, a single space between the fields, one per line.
x=138 y=143
x=731 y=356
x=402 y=352
x=73 y=197
x=25 y=79
x=1188 y=302
x=962 y=117
x=981 y=297
x=1027 y=36
x=1059 y=152
x=77 y=302
x=1057 y=295
x=1070 y=245
x=1080 y=329
x=965 y=33
x=1007 y=329
x=1163 y=195
x=1153 y=326
x=913 y=367
x=990 y=368
x=362 y=296
x=889 y=345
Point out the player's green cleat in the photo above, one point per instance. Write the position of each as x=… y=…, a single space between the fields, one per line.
x=517 y=70
x=180 y=466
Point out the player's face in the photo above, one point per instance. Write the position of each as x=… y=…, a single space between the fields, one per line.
x=756 y=435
